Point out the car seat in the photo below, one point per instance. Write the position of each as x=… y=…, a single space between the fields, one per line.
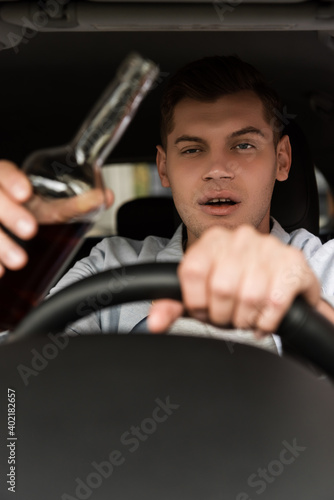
x=295 y=202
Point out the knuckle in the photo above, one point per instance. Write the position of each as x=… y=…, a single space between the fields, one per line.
x=252 y=298
x=245 y=320
x=296 y=270
x=190 y=268
x=221 y=313
x=268 y=323
x=221 y=287
x=276 y=300
x=273 y=311
x=56 y=218
x=243 y=233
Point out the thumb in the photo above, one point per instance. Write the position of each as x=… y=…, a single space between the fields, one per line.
x=109 y=197
x=163 y=313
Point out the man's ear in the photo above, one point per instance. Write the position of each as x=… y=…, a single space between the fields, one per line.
x=162 y=168
x=283 y=156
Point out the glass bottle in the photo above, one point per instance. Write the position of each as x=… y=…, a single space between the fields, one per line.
x=68 y=190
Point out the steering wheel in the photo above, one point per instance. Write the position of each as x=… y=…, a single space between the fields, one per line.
x=160 y=416
x=303 y=329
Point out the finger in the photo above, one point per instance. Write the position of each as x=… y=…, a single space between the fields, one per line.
x=64 y=210
x=82 y=204
x=311 y=289
x=252 y=296
x=16 y=218
x=228 y=272
x=295 y=277
x=15 y=189
x=162 y=315
x=109 y=198
x=272 y=311
x=193 y=274
x=195 y=270
x=224 y=284
x=14 y=182
x=12 y=255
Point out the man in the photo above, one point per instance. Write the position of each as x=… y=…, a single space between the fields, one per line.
x=221 y=154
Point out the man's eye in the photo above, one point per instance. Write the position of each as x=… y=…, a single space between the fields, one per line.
x=244 y=145
x=190 y=151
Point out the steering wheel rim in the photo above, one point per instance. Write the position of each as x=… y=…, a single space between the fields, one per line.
x=303 y=329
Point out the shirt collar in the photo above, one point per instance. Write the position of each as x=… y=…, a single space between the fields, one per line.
x=173 y=251
x=279 y=232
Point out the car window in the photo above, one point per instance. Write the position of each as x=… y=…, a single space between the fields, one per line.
x=326 y=207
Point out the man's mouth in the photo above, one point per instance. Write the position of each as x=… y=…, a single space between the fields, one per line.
x=218 y=202
x=223 y=205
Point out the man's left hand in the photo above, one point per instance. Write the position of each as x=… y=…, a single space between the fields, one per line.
x=238 y=277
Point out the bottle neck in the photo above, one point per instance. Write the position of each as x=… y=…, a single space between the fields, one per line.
x=113 y=112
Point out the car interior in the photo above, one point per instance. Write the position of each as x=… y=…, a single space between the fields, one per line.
x=87 y=421
x=54 y=74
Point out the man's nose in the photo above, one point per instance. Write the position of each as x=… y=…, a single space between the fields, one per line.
x=221 y=168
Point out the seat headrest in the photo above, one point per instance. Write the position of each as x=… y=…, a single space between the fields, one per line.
x=295 y=202
x=151 y=215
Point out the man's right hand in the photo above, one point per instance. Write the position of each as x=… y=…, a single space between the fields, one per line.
x=15 y=190
x=21 y=211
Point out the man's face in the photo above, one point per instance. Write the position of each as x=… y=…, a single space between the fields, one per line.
x=220 y=163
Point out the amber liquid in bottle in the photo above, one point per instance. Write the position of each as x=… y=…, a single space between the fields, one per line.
x=49 y=252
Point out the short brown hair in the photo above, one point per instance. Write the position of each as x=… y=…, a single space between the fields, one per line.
x=210 y=78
